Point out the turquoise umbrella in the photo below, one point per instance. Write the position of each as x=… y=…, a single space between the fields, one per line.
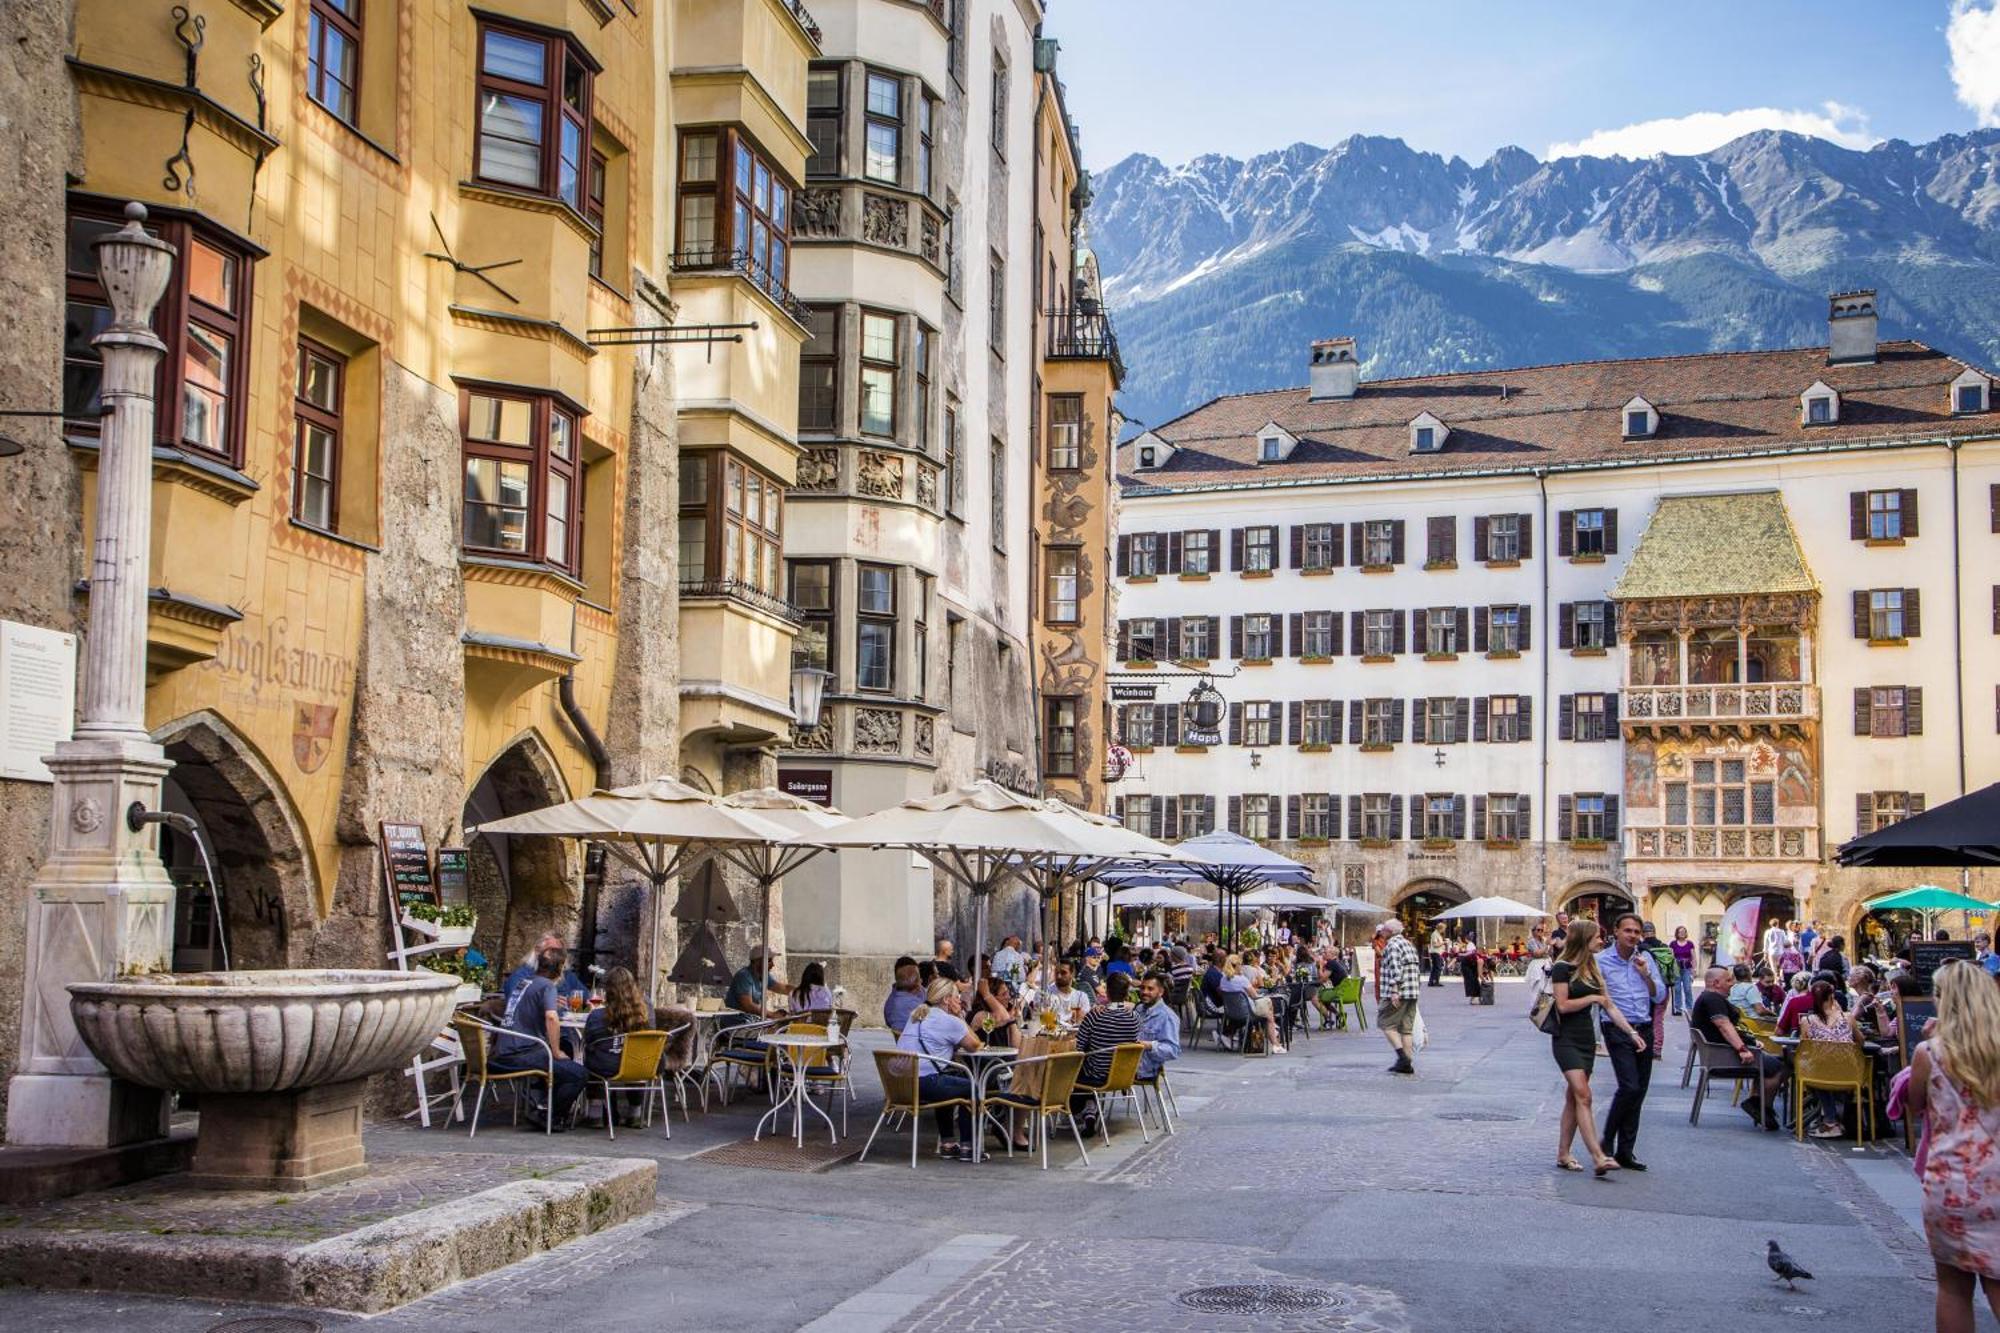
x=1927 y=900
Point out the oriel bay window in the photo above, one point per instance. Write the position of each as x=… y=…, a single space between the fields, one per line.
x=523 y=476
x=875 y=628
x=534 y=112
x=823 y=116
x=819 y=371
x=203 y=318
x=732 y=523
x=735 y=209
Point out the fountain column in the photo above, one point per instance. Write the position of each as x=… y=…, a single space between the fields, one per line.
x=102 y=906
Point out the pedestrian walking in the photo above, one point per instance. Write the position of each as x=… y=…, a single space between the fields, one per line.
x=1579 y=987
x=1633 y=985
x=1955 y=1081
x=1396 y=987
x=1683 y=948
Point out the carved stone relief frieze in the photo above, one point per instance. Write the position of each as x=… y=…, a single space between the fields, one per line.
x=885 y=221
x=927 y=486
x=878 y=731
x=819 y=470
x=925 y=735
x=816 y=213
x=880 y=474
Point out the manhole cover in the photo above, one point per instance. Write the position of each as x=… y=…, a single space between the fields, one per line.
x=265 y=1323
x=1260 y=1298
x=1482 y=1117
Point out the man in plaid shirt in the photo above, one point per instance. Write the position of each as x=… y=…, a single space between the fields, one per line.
x=1396 y=984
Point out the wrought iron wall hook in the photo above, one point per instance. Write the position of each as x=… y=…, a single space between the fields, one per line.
x=175 y=180
x=257 y=86
x=190 y=30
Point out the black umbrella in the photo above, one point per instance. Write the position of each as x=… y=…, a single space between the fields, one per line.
x=1964 y=832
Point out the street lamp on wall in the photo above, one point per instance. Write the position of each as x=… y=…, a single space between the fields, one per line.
x=808 y=695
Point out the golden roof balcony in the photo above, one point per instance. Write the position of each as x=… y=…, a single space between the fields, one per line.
x=1788 y=705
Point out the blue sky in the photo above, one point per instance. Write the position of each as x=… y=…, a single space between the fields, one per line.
x=1177 y=78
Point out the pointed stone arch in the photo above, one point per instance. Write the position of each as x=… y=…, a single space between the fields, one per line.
x=269 y=890
x=520 y=887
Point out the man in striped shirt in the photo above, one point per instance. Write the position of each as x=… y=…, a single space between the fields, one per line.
x=1104 y=1027
x=1396 y=986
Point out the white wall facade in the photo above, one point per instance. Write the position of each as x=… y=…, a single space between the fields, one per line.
x=1955 y=566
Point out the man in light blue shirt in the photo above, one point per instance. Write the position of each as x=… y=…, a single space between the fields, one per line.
x=1633 y=983
x=1159 y=1027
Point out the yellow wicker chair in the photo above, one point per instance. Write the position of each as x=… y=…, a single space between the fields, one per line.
x=640 y=1064
x=1834 y=1066
x=1058 y=1082
x=902 y=1094
x=472 y=1034
x=1118 y=1081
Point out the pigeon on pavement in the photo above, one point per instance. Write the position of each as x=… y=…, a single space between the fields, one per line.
x=1784 y=1265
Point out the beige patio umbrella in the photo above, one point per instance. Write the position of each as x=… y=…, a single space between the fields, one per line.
x=650 y=827
x=981 y=835
x=768 y=862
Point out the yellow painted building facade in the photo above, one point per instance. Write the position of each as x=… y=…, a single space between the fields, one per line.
x=439 y=355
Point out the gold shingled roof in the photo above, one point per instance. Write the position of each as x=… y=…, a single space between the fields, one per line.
x=1717 y=545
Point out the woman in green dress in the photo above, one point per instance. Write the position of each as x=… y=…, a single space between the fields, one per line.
x=1579 y=988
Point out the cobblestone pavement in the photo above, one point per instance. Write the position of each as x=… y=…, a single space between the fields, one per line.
x=1426 y=1203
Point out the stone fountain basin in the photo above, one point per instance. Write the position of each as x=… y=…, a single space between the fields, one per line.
x=260 y=1032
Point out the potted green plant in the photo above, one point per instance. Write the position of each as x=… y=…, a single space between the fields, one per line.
x=449 y=925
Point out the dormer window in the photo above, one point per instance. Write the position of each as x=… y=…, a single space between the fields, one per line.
x=1970 y=392
x=1274 y=443
x=1427 y=434
x=1640 y=419
x=1819 y=405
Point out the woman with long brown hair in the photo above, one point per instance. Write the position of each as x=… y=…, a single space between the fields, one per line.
x=1955 y=1080
x=1578 y=988
x=624 y=1010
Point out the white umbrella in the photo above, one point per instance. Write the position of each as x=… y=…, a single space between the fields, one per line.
x=1276 y=895
x=649 y=827
x=768 y=862
x=1158 y=895
x=1491 y=909
x=982 y=834
x=1343 y=903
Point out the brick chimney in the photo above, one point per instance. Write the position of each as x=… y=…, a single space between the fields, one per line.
x=1851 y=325
x=1336 y=370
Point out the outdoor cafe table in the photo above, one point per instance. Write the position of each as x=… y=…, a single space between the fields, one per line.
x=794 y=1050
x=990 y=1060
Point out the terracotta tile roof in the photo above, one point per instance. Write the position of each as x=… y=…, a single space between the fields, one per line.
x=1717 y=546
x=1565 y=416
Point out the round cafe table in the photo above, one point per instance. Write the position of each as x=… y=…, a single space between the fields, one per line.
x=792 y=1049
x=985 y=1063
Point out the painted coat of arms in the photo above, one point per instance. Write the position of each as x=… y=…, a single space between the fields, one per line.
x=312 y=734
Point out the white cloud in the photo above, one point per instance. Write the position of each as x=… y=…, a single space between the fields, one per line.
x=1974 y=38
x=1704 y=130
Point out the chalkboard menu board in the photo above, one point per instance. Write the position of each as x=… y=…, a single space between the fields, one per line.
x=406 y=861
x=454 y=866
x=1927 y=956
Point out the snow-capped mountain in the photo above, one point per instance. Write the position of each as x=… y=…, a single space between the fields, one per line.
x=1221 y=271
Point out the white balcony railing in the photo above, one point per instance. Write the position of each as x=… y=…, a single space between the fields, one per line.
x=1791 y=842
x=1773 y=701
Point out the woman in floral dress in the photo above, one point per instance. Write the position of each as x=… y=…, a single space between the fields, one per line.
x=1955 y=1080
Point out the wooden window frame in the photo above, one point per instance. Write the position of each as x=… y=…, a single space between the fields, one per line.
x=892 y=366
x=996 y=456
x=306 y=414
x=1065 y=435
x=542 y=463
x=828 y=358
x=1503 y=823
x=1598 y=532
x=923 y=355
x=560 y=52
x=875 y=619
x=1494 y=713
x=1051 y=603
x=819 y=115
x=737 y=157
x=997 y=131
x=323 y=15
x=826 y=618
x=597 y=186
x=996 y=303
x=178 y=309
x=719 y=520
x=892 y=122
x=1888 y=507
x=1060 y=760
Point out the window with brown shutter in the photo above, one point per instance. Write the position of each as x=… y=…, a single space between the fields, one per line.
x=1440 y=541
x=1889 y=710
